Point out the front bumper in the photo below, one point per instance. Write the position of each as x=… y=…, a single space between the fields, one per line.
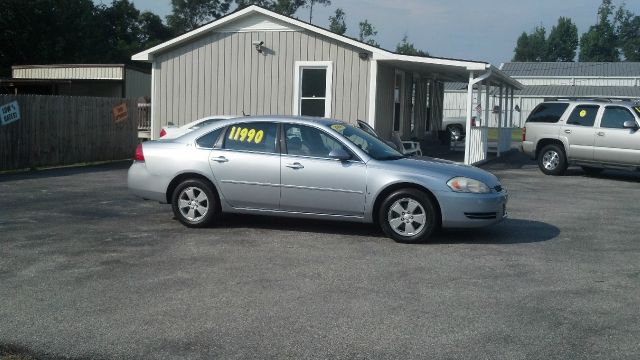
x=464 y=210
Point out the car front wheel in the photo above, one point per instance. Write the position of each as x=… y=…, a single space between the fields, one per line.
x=408 y=216
x=552 y=160
x=194 y=203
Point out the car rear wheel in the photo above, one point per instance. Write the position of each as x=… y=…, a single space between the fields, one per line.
x=552 y=160
x=194 y=203
x=408 y=216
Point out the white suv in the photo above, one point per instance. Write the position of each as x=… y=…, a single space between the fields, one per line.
x=594 y=134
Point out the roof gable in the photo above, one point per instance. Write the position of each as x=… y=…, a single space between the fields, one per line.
x=257 y=22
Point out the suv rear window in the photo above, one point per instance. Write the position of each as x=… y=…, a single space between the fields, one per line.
x=547 y=112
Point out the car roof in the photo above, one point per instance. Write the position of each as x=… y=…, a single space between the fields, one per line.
x=190 y=136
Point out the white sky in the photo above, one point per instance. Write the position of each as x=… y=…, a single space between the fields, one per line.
x=466 y=29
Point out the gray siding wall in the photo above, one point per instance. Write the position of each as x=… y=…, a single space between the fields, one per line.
x=137 y=84
x=223 y=74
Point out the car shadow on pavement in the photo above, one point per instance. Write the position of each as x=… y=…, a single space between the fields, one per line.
x=65 y=171
x=302 y=225
x=510 y=231
x=618 y=175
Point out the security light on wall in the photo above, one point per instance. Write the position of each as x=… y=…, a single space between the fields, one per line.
x=258 y=45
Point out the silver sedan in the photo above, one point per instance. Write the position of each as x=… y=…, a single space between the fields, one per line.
x=312 y=168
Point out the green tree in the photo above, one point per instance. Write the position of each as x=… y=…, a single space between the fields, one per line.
x=189 y=14
x=562 y=43
x=367 y=32
x=337 y=22
x=406 y=48
x=153 y=30
x=628 y=33
x=600 y=43
x=287 y=7
x=532 y=47
x=49 y=32
x=311 y=3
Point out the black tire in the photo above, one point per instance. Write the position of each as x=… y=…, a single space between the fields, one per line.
x=201 y=196
x=401 y=198
x=455 y=132
x=590 y=170
x=552 y=160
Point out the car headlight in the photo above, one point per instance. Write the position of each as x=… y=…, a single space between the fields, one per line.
x=467 y=185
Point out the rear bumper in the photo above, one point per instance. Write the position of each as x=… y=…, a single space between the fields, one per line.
x=528 y=147
x=463 y=210
x=141 y=183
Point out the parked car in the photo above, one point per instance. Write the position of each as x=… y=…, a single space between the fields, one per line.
x=173 y=131
x=594 y=134
x=457 y=126
x=312 y=168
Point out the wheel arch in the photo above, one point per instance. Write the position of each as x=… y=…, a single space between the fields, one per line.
x=544 y=142
x=404 y=185
x=186 y=176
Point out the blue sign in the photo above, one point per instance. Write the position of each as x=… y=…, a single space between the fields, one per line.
x=9 y=113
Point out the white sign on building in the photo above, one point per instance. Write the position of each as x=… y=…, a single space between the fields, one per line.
x=9 y=113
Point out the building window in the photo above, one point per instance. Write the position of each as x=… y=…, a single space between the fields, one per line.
x=313 y=88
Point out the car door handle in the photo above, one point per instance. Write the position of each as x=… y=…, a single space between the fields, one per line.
x=568 y=131
x=220 y=159
x=601 y=133
x=295 y=165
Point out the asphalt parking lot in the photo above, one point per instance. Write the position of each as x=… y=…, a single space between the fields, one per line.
x=89 y=272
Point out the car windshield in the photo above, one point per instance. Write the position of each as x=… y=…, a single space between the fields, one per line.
x=368 y=143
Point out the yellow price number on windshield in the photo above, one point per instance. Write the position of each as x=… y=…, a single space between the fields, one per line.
x=583 y=113
x=245 y=134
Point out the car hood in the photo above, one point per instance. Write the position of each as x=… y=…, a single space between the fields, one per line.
x=439 y=168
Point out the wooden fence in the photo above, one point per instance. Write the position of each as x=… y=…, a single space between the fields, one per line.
x=64 y=130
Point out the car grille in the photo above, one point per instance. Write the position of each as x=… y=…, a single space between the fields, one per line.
x=481 y=215
x=498 y=188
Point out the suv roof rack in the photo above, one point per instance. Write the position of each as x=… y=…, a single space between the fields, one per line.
x=594 y=99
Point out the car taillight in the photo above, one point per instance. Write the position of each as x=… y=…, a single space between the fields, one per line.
x=524 y=134
x=139 y=154
x=163 y=133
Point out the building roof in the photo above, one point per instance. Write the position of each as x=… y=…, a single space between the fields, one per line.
x=73 y=71
x=623 y=92
x=455 y=65
x=571 y=69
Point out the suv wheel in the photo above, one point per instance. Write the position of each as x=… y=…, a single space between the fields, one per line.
x=552 y=160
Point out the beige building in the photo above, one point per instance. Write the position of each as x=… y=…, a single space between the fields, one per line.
x=257 y=62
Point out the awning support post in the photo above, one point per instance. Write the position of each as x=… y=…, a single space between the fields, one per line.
x=472 y=82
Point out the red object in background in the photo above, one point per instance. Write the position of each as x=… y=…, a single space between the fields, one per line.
x=162 y=133
x=473 y=121
x=139 y=154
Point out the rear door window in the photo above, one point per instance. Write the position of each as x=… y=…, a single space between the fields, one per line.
x=256 y=136
x=583 y=115
x=547 y=113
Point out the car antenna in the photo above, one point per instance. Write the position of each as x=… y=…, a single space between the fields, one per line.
x=243 y=114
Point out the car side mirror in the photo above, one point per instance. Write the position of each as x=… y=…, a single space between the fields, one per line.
x=339 y=154
x=630 y=124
